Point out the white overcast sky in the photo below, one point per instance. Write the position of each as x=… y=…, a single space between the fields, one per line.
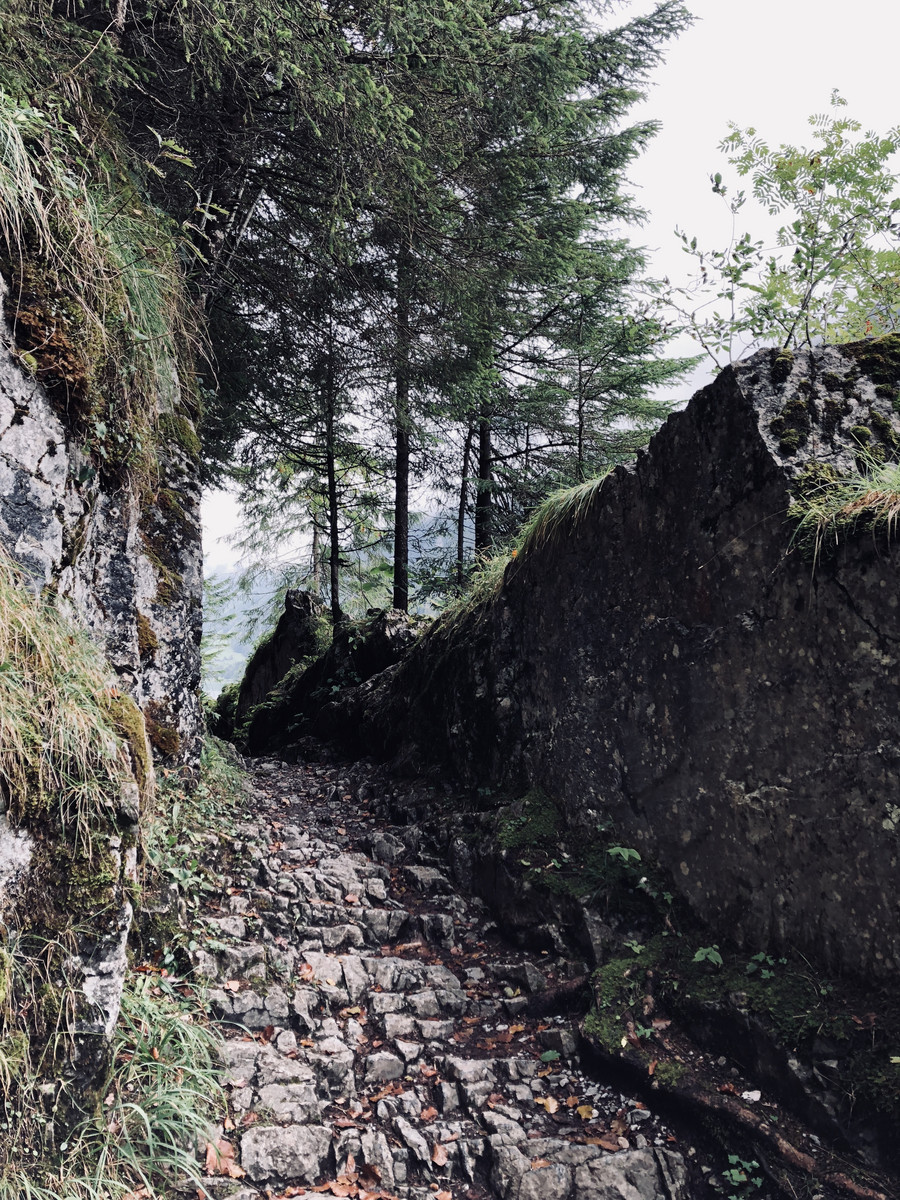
x=769 y=64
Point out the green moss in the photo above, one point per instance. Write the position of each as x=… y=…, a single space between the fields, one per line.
x=792 y=424
x=669 y=1073
x=861 y=434
x=167 y=580
x=782 y=365
x=128 y=721
x=163 y=735
x=879 y=358
x=791 y=441
x=148 y=642
x=883 y=428
x=533 y=823
x=179 y=430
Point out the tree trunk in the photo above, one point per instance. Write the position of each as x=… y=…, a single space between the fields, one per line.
x=334 y=557
x=402 y=419
x=461 y=516
x=483 y=515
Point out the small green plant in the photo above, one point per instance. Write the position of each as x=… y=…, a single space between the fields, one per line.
x=709 y=954
x=741 y=1178
x=765 y=965
x=832 y=273
x=624 y=854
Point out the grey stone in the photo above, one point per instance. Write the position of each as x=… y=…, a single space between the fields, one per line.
x=294 y=1102
x=295 y=1152
x=382 y=1067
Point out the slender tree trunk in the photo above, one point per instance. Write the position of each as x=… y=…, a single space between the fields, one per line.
x=483 y=513
x=402 y=419
x=316 y=564
x=461 y=516
x=579 y=473
x=334 y=557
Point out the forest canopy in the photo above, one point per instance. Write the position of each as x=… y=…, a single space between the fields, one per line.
x=384 y=243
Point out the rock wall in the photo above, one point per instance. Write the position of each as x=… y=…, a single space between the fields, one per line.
x=124 y=559
x=670 y=663
x=121 y=554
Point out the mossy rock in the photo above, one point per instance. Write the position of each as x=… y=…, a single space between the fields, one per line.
x=128 y=722
x=879 y=358
x=178 y=430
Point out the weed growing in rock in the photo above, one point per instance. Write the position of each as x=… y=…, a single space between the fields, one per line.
x=832 y=507
x=158 y=1105
x=61 y=754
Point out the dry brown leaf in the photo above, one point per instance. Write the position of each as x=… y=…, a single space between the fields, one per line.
x=547 y=1102
x=651 y=1067
x=428 y=1114
x=443 y=1196
x=585 y=1111
x=571 y=1101
x=220 y=1159
x=306 y=971
x=538 y=1163
x=439 y=1155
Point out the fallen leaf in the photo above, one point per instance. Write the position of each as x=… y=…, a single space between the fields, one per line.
x=428 y=1114
x=351 y=898
x=606 y=1143
x=306 y=971
x=660 y=1022
x=651 y=1067
x=547 y=1102
x=220 y=1159
x=585 y=1111
x=444 y=1196
x=439 y=1155
x=571 y=1101
x=538 y=1163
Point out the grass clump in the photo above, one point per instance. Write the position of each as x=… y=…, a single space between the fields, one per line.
x=157 y=1107
x=830 y=506
x=62 y=759
x=96 y=299
x=562 y=510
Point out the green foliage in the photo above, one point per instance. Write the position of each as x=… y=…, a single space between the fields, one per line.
x=160 y=1101
x=834 y=271
x=96 y=296
x=709 y=954
x=188 y=816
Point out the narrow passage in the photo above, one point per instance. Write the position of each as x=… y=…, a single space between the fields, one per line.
x=383 y=1041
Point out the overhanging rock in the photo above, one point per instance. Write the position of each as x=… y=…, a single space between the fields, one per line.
x=671 y=663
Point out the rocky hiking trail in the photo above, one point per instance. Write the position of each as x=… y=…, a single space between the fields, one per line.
x=382 y=1039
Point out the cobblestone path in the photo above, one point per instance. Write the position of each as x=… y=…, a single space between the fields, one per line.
x=383 y=1041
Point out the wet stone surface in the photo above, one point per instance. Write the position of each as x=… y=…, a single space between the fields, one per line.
x=381 y=1040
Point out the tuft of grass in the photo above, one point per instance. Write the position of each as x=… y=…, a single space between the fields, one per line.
x=830 y=507
x=561 y=510
x=60 y=753
x=97 y=298
x=157 y=1109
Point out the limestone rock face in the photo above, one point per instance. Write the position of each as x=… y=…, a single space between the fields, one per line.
x=127 y=565
x=123 y=559
x=673 y=663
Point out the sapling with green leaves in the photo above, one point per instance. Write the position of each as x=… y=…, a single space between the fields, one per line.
x=832 y=271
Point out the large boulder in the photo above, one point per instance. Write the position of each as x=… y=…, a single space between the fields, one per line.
x=299 y=636
x=309 y=701
x=666 y=660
